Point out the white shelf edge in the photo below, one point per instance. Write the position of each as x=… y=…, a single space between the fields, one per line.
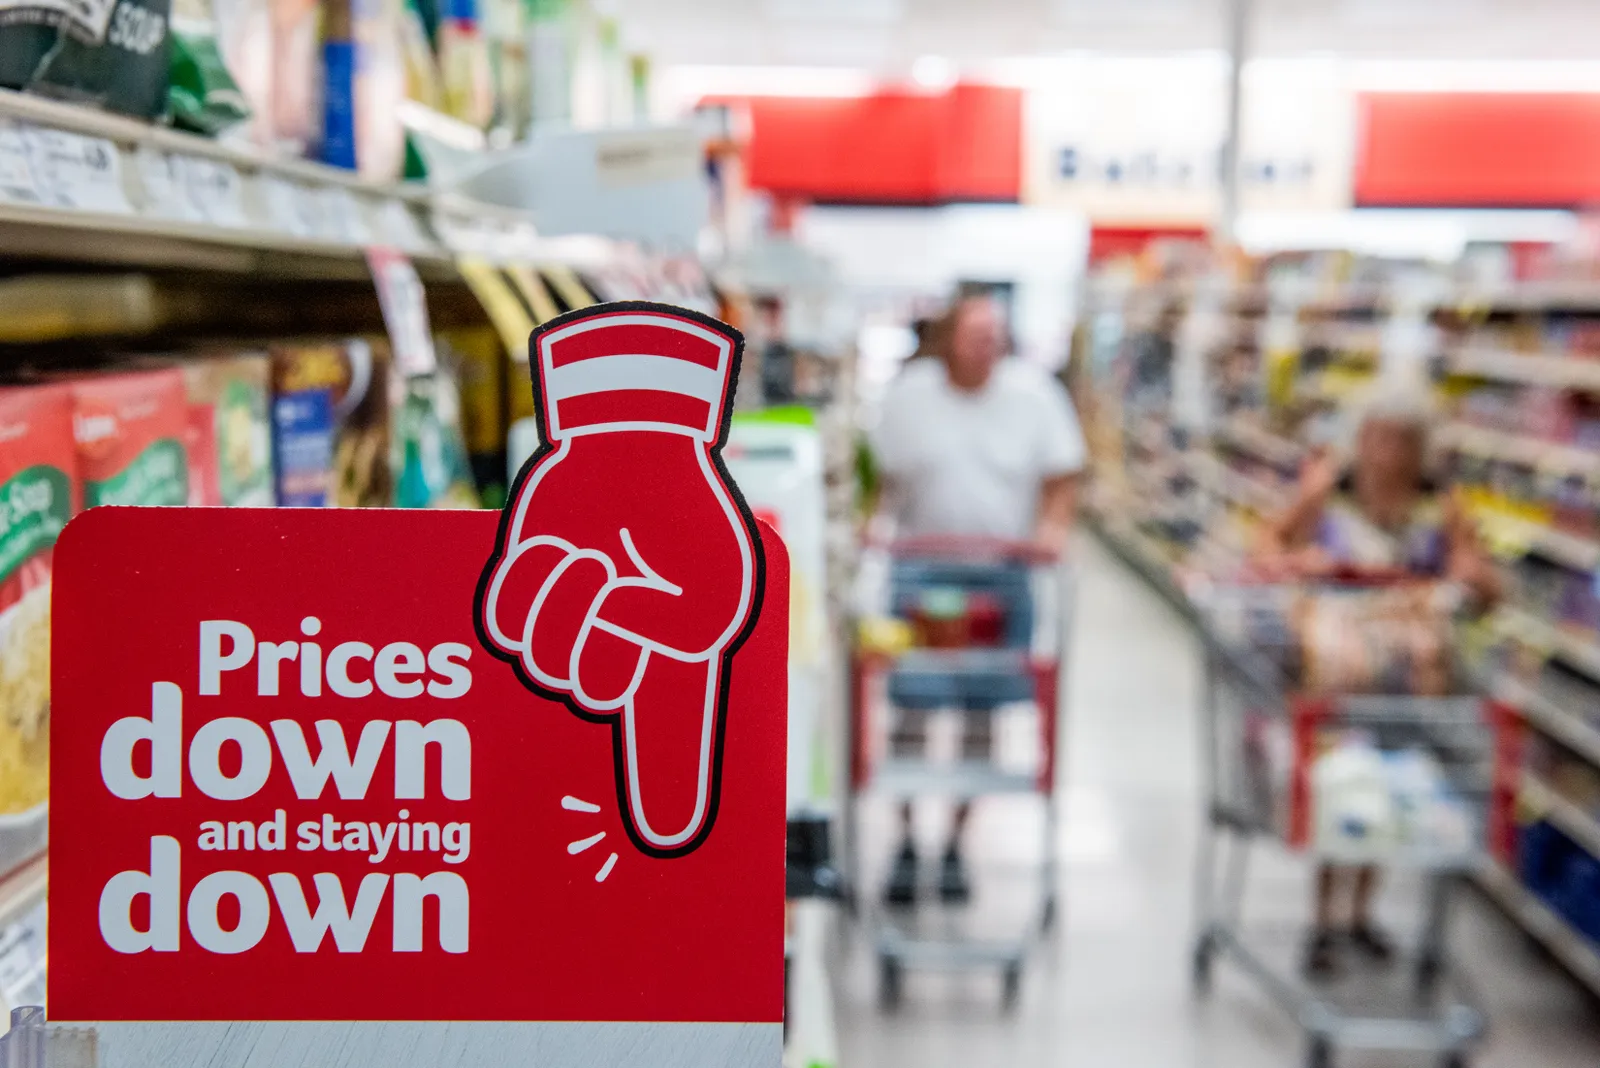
x=1577 y=824
x=1576 y=293
x=1520 y=448
x=1542 y=369
x=1579 y=553
x=1550 y=717
x=1546 y=925
x=1584 y=652
x=61 y=115
x=242 y=238
x=1270 y=446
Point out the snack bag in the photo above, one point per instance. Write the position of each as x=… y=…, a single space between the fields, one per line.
x=39 y=492
x=130 y=430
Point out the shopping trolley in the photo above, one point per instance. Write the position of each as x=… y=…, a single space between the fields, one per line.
x=987 y=622
x=1270 y=751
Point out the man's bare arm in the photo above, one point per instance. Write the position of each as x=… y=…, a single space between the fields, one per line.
x=1058 y=498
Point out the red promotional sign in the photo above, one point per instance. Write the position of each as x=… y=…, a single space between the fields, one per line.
x=378 y=765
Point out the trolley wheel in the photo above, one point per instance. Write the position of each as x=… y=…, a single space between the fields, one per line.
x=890 y=976
x=1205 y=952
x=1320 y=1054
x=1011 y=985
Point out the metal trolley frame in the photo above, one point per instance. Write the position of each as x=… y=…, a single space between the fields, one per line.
x=1039 y=666
x=1441 y=1016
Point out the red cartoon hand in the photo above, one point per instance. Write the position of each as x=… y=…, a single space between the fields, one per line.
x=627 y=574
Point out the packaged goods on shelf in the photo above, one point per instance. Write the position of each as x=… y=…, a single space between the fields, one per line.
x=482 y=369
x=1562 y=874
x=431 y=469
x=296 y=74
x=230 y=429
x=40 y=491
x=112 y=54
x=131 y=429
x=202 y=96
x=331 y=423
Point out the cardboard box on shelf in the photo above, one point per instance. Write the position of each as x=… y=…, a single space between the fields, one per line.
x=230 y=429
x=331 y=423
x=130 y=429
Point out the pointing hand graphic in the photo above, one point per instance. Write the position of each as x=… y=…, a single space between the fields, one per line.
x=628 y=569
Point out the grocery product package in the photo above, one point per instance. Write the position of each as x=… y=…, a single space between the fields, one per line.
x=1392 y=640
x=202 y=95
x=39 y=492
x=131 y=428
x=365 y=82
x=245 y=37
x=296 y=75
x=331 y=423
x=230 y=430
x=481 y=369
x=430 y=455
x=109 y=53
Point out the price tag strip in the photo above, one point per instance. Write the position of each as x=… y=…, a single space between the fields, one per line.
x=217 y=190
x=371 y=787
x=166 y=189
x=75 y=171
x=17 y=181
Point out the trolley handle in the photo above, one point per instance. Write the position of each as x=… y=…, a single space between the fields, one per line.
x=977 y=548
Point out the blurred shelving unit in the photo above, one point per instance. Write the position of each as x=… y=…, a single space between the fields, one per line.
x=1547 y=927
x=1516 y=372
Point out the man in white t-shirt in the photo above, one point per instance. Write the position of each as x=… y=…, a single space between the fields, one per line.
x=973 y=444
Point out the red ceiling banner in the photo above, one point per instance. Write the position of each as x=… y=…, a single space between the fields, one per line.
x=893 y=147
x=1478 y=150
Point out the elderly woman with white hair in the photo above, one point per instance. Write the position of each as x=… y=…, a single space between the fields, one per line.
x=1376 y=517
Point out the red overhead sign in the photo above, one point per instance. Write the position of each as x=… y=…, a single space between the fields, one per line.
x=373 y=765
x=1478 y=150
x=892 y=147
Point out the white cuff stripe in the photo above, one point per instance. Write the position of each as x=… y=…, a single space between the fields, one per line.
x=602 y=374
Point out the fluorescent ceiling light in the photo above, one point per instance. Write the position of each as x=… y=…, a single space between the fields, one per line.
x=933 y=72
x=691 y=82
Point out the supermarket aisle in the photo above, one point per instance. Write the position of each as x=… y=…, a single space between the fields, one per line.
x=1113 y=987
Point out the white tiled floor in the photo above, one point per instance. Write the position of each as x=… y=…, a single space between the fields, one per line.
x=1111 y=988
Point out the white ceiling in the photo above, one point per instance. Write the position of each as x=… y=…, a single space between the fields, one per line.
x=887 y=36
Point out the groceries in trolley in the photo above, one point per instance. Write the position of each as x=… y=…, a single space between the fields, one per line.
x=1368 y=800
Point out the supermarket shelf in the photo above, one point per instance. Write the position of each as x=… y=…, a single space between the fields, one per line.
x=1543 y=801
x=1354 y=340
x=1519 y=448
x=1579 y=553
x=1580 y=650
x=1532 y=296
x=1506 y=365
x=1235 y=487
x=24 y=888
x=1575 y=952
x=1274 y=448
x=1550 y=717
x=74 y=176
